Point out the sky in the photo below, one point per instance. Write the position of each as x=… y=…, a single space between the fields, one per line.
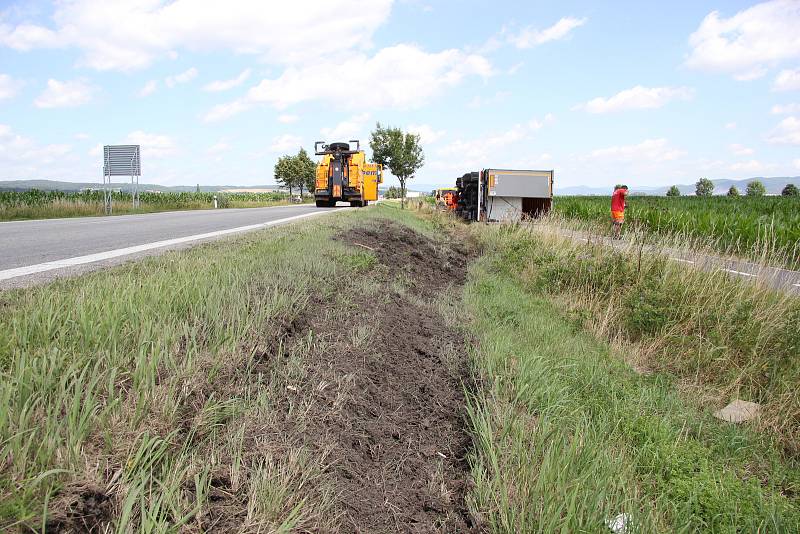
x=648 y=93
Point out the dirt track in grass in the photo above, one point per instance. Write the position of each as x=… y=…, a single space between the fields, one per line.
x=397 y=419
x=378 y=393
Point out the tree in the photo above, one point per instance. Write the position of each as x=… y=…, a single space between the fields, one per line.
x=733 y=192
x=400 y=152
x=393 y=192
x=756 y=189
x=674 y=191
x=790 y=190
x=284 y=173
x=305 y=171
x=704 y=188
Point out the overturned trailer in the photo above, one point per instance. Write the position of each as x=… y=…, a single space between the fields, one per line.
x=504 y=194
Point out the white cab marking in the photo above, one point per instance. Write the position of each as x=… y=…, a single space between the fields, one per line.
x=739 y=272
x=100 y=256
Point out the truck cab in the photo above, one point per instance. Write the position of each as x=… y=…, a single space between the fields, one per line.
x=344 y=174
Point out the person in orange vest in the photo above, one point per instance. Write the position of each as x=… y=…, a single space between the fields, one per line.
x=618 y=209
x=450 y=200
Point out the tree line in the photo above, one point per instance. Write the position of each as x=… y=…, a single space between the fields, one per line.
x=705 y=188
x=296 y=172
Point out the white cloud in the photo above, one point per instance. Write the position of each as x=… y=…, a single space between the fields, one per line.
x=401 y=76
x=8 y=86
x=637 y=97
x=741 y=150
x=530 y=37
x=351 y=128
x=730 y=126
x=225 y=85
x=787 y=80
x=226 y=110
x=64 y=94
x=219 y=147
x=286 y=143
x=427 y=134
x=462 y=154
x=148 y=89
x=748 y=43
x=288 y=119
x=131 y=35
x=153 y=145
x=653 y=150
x=779 y=109
x=23 y=158
x=751 y=166
x=787 y=132
x=184 y=77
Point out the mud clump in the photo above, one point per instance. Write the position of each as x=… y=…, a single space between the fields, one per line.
x=80 y=507
x=430 y=265
x=393 y=408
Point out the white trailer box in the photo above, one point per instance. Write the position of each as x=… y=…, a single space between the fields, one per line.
x=514 y=194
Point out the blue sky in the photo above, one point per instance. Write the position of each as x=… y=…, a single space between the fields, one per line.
x=649 y=93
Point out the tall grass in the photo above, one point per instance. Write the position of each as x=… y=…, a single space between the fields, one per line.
x=569 y=435
x=745 y=226
x=142 y=380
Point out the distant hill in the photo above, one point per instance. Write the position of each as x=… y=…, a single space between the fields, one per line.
x=53 y=185
x=774 y=186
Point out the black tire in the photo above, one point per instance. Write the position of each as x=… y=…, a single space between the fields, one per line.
x=366 y=203
x=322 y=204
x=339 y=146
x=355 y=203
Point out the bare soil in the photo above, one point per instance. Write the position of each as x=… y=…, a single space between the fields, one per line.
x=379 y=395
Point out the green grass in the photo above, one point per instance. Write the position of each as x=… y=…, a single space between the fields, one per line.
x=750 y=227
x=35 y=204
x=568 y=435
x=143 y=375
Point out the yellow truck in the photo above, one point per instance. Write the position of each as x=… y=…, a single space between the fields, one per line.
x=345 y=175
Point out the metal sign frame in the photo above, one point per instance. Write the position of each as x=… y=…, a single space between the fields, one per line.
x=121 y=160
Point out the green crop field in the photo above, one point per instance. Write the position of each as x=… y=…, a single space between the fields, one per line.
x=35 y=204
x=745 y=226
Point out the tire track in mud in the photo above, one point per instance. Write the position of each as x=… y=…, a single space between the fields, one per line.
x=391 y=411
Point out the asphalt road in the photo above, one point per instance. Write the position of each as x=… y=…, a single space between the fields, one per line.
x=37 y=251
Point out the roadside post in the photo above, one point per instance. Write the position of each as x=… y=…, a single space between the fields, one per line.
x=215 y=201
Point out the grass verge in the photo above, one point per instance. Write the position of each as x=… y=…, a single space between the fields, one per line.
x=129 y=394
x=569 y=436
x=259 y=384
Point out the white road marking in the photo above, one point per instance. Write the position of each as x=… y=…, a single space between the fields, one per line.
x=739 y=272
x=684 y=261
x=796 y=285
x=100 y=256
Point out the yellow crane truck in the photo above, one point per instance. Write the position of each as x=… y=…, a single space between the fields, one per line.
x=344 y=174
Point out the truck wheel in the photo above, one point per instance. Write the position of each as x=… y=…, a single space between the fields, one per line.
x=366 y=203
x=322 y=204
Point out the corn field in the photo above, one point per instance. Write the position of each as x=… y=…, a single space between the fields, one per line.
x=744 y=226
x=35 y=204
